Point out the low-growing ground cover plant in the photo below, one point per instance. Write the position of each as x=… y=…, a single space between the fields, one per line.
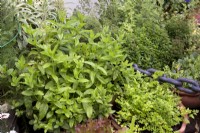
x=156 y=110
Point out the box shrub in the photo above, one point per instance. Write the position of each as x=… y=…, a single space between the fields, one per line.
x=147 y=41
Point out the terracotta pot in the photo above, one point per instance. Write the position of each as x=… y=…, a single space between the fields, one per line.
x=190 y=100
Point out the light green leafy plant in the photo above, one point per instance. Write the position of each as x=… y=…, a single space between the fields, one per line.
x=68 y=77
x=149 y=107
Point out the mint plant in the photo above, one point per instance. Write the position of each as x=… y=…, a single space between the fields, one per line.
x=69 y=76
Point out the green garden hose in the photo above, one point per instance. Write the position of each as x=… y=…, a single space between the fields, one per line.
x=18 y=31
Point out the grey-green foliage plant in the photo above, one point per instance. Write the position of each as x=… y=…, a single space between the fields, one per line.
x=34 y=12
x=68 y=76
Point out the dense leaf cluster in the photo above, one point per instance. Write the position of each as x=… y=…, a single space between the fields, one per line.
x=77 y=68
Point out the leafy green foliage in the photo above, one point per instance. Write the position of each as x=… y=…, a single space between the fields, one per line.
x=180 y=34
x=111 y=15
x=8 y=27
x=71 y=75
x=68 y=76
x=155 y=34
x=173 y=7
x=147 y=40
x=188 y=67
x=149 y=107
x=93 y=23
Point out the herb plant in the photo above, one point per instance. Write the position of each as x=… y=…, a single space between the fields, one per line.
x=68 y=77
x=149 y=107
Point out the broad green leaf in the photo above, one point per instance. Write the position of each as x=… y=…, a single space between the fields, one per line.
x=76 y=73
x=38 y=92
x=101 y=79
x=88 y=84
x=50 y=85
x=43 y=110
x=115 y=74
x=62 y=89
x=71 y=122
x=88 y=109
x=70 y=79
x=55 y=78
x=99 y=101
x=49 y=114
x=46 y=65
x=15 y=81
x=21 y=63
x=58 y=104
x=92 y=76
x=48 y=96
x=89 y=91
x=59 y=111
x=41 y=69
x=86 y=100
x=68 y=114
x=102 y=70
x=75 y=85
x=27 y=93
x=10 y=71
x=38 y=104
x=90 y=63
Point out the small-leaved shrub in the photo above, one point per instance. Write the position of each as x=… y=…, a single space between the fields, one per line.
x=156 y=110
x=188 y=67
x=180 y=33
x=147 y=42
